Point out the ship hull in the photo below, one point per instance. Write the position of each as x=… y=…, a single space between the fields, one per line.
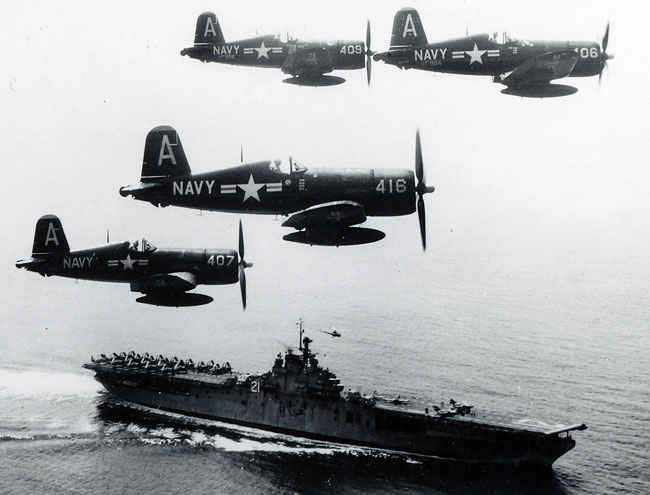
x=339 y=420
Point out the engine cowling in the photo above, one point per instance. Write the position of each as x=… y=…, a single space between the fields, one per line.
x=350 y=55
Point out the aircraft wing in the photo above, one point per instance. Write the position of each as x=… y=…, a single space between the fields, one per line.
x=542 y=69
x=165 y=282
x=336 y=214
x=309 y=60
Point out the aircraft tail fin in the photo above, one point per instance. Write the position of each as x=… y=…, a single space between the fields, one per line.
x=208 y=30
x=407 y=29
x=164 y=156
x=49 y=237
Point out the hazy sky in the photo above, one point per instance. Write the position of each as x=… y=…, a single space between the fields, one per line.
x=518 y=180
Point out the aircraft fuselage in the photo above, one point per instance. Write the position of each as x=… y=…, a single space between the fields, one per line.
x=295 y=57
x=482 y=55
x=260 y=188
x=121 y=263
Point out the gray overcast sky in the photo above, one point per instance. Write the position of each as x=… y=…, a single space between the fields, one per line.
x=84 y=82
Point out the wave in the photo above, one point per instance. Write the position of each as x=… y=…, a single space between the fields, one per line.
x=13 y=437
x=199 y=432
x=34 y=383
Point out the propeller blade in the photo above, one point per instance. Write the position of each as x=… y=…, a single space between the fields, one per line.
x=423 y=220
x=605 y=38
x=419 y=168
x=368 y=54
x=242 y=285
x=368 y=68
x=241 y=243
x=600 y=74
x=368 y=50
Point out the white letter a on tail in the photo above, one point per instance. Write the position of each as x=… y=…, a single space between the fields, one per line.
x=209 y=28
x=51 y=235
x=409 y=27
x=166 y=151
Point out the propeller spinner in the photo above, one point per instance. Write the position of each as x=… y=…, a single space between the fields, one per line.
x=243 y=264
x=421 y=188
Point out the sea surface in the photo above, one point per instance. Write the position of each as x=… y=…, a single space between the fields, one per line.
x=550 y=341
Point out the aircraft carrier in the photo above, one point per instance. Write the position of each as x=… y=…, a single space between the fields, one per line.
x=299 y=397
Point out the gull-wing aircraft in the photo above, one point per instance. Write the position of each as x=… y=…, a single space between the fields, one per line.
x=164 y=276
x=323 y=204
x=525 y=67
x=305 y=61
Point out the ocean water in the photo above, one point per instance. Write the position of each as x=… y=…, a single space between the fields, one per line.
x=553 y=342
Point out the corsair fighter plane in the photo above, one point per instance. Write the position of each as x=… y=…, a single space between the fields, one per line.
x=323 y=203
x=306 y=61
x=164 y=276
x=525 y=67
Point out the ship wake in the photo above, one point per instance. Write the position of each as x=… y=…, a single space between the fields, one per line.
x=156 y=427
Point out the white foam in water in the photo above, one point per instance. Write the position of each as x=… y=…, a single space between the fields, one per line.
x=167 y=433
x=45 y=384
x=253 y=442
x=133 y=428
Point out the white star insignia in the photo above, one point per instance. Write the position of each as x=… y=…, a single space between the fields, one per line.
x=128 y=262
x=475 y=55
x=262 y=51
x=250 y=189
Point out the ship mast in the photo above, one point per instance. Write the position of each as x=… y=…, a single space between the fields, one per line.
x=299 y=324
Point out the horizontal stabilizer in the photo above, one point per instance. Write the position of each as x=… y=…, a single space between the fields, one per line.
x=133 y=190
x=30 y=262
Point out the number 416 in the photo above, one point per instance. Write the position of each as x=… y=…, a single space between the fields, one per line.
x=391 y=186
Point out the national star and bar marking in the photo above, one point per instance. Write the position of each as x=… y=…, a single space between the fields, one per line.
x=475 y=55
x=251 y=188
x=263 y=50
x=127 y=263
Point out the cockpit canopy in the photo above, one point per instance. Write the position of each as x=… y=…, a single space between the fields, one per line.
x=504 y=38
x=285 y=37
x=280 y=166
x=500 y=38
x=143 y=246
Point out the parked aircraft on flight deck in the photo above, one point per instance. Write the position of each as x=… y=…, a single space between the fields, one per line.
x=324 y=203
x=305 y=61
x=163 y=275
x=525 y=67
